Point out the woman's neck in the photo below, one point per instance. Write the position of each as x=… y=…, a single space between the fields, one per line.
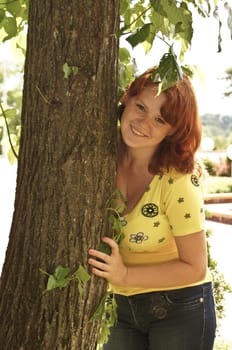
x=137 y=159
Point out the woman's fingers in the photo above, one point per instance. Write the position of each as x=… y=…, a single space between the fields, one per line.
x=110 y=267
x=99 y=255
x=98 y=264
x=100 y=273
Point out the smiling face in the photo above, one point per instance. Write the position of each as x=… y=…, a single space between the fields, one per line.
x=142 y=125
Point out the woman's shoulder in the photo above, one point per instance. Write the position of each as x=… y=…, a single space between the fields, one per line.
x=172 y=174
x=172 y=179
x=199 y=173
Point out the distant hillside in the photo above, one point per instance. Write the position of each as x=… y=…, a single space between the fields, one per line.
x=216 y=125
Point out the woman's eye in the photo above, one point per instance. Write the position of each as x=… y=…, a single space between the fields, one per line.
x=140 y=107
x=159 y=120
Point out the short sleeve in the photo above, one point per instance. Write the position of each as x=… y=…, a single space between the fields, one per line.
x=183 y=203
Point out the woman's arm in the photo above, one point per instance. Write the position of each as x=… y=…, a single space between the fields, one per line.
x=188 y=269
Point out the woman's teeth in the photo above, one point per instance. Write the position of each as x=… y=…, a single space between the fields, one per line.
x=136 y=132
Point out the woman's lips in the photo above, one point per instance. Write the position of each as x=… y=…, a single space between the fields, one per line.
x=137 y=132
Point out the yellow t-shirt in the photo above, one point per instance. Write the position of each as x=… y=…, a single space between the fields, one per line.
x=172 y=206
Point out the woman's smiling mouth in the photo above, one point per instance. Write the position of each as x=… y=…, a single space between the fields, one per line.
x=137 y=132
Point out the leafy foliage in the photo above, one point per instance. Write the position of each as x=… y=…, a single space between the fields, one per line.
x=215 y=125
x=228 y=78
x=69 y=70
x=13 y=17
x=168 y=72
x=10 y=112
x=106 y=313
x=142 y=22
x=219 y=184
x=62 y=277
x=220 y=285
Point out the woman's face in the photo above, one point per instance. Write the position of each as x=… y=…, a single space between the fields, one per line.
x=142 y=125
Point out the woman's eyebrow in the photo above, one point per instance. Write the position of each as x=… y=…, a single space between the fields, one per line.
x=159 y=114
x=142 y=102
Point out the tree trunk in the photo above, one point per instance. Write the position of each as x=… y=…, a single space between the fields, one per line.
x=65 y=174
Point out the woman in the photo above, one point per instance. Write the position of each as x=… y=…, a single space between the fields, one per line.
x=159 y=273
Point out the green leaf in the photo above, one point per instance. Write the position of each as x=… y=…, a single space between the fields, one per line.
x=158 y=24
x=188 y=70
x=119 y=238
x=80 y=289
x=14 y=7
x=59 y=279
x=124 y=55
x=119 y=194
x=173 y=20
x=54 y=283
x=168 y=71
x=116 y=225
x=10 y=27
x=67 y=70
x=74 y=70
x=157 y=6
x=140 y=35
x=82 y=274
x=61 y=272
x=104 y=248
x=9 y=113
x=124 y=6
x=104 y=334
x=98 y=314
x=2 y=15
x=21 y=48
x=106 y=313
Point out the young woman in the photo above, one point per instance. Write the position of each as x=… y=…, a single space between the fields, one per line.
x=159 y=273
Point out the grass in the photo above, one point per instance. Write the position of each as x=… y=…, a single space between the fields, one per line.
x=219 y=184
x=221 y=345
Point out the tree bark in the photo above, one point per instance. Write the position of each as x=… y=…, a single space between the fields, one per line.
x=66 y=173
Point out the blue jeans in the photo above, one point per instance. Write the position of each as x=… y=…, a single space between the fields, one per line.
x=180 y=319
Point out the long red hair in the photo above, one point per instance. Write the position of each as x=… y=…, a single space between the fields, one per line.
x=181 y=111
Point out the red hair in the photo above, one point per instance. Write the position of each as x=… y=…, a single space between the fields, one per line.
x=180 y=110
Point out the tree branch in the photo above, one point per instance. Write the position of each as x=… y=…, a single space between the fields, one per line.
x=8 y=132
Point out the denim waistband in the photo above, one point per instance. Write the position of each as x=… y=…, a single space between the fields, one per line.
x=191 y=290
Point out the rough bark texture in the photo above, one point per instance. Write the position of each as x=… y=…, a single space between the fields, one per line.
x=65 y=173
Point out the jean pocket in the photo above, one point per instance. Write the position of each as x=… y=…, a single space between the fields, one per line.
x=185 y=298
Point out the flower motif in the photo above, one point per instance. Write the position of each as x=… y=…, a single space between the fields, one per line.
x=180 y=200
x=123 y=221
x=150 y=210
x=194 y=180
x=170 y=181
x=138 y=237
x=156 y=224
x=187 y=216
